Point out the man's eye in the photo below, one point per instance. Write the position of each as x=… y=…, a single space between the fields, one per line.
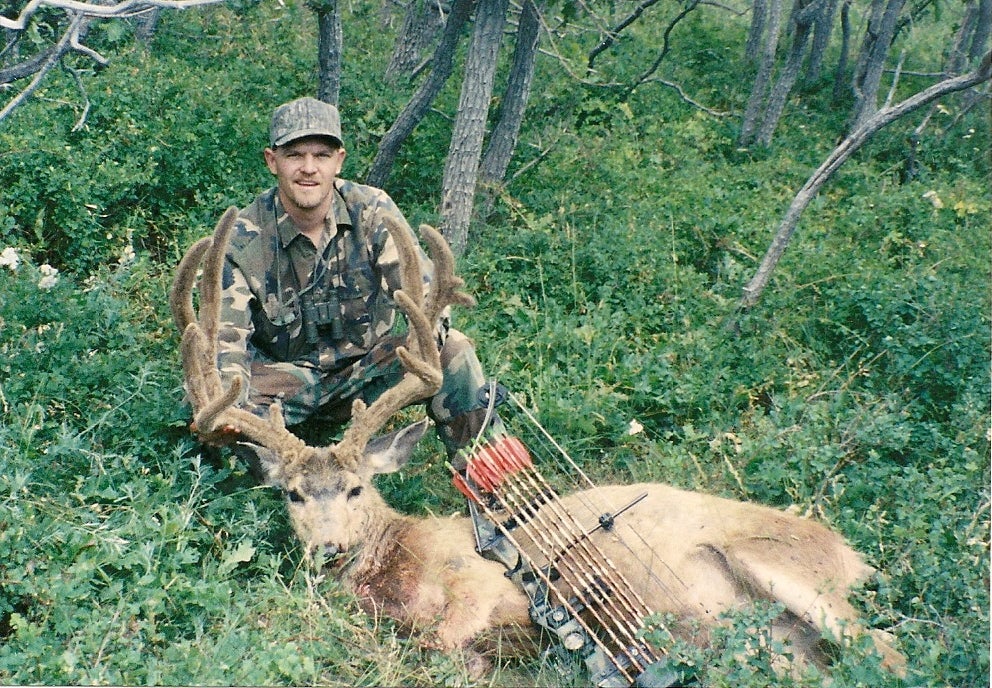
x=294 y=496
x=354 y=492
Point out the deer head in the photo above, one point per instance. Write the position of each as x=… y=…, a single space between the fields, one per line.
x=327 y=488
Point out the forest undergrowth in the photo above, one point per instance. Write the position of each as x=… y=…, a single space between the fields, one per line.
x=608 y=279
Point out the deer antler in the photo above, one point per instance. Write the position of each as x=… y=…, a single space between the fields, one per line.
x=420 y=357
x=213 y=406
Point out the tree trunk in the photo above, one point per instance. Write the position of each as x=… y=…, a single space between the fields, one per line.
x=759 y=16
x=858 y=137
x=461 y=167
x=503 y=140
x=871 y=60
x=845 y=51
x=145 y=25
x=759 y=91
x=441 y=66
x=983 y=28
x=959 y=58
x=802 y=15
x=329 y=40
x=421 y=23
x=823 y=26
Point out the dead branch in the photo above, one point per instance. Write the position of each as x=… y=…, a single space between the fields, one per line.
x=857 y=138
x=612 y=35
x=128 y=8
x=79 y=15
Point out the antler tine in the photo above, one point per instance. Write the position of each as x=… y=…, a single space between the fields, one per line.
x=210 y=281
x=444 y=289
x=181 y=293
x=213 y=406
x=420 y=356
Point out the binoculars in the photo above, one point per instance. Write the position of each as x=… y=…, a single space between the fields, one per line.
x=321 y=312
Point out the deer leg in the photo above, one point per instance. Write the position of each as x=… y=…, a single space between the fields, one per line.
x=816 y=600
x=473 y=614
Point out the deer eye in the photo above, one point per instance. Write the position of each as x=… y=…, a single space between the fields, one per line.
x=354 y=492
x=294 y=496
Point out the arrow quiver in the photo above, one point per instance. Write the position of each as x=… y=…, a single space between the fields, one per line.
x=575 y=591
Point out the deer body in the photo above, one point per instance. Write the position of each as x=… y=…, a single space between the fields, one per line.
x=688 y=554
x=692 y=555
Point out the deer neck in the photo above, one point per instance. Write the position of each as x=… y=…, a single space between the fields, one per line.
x=383 y=530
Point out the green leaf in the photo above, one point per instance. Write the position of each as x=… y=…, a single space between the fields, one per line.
x=239 y=555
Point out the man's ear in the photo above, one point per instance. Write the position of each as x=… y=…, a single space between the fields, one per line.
x=390 y=452
x=270 y=159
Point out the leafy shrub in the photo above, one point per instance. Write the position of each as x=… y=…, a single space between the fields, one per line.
x=856 y=391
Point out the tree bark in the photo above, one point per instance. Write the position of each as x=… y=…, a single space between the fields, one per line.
x=461 y=167
x=329 y=47
x=421 y=23
x=823 y=25
x=857 y=138
x=845 y=51
x=759 y=16
x=441 y=66
x=503 y=139
x=759 y=91
x=983 y=29
x=871 y=60
x=145 y=25
x=802 y=16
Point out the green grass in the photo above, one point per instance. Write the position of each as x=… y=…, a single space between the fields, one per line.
x=608 y=279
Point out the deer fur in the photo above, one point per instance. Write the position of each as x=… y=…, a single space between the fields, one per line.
x=688 y=554
x=700 y=556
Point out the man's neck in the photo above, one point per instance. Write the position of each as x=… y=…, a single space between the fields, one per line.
x=310 y=222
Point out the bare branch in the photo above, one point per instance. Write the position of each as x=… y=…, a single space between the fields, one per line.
x=127 y=8
x=665 y=45
x=611 y=35
x=79 y=15
x=74 y=73
x=71 y=34
x=857 y=138
x=686 y=97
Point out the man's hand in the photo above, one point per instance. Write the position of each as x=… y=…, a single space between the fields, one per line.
x=219 y=437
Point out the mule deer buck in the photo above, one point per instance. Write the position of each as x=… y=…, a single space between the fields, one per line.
x=692 y=555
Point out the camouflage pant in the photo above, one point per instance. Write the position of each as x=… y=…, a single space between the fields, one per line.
x=306 y=390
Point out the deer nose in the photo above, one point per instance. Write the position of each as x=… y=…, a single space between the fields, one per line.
x=331 y=551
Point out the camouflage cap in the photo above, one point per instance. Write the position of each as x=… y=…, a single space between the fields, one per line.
x=304 y=117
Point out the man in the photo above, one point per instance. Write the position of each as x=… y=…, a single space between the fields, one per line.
x=307 y=315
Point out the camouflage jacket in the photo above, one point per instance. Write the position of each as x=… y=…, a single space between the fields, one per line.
x=322 y=306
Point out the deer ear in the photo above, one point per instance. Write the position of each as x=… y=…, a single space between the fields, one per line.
x=263 y=463
x=388 y=453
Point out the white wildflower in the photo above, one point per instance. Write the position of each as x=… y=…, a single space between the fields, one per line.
x=10 y=259
x=634 y=427
x=934 y=199
x=127 y=256
x=49 y=277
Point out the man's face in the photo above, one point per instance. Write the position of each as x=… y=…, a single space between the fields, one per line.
x=305 y=170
